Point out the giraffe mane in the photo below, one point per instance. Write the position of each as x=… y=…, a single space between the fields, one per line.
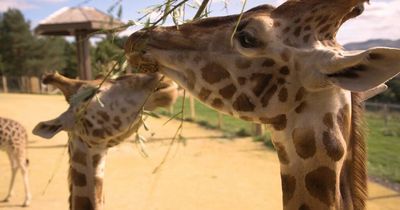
x=69 y=176
x=358 y=172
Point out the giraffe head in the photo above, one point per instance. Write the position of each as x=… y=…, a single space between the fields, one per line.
x=283 y=67
x=274 y=58
x=98 y=115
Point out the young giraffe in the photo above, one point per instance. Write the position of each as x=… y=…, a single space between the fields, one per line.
x=95 y=126
x=13 y=140
x=283 y=68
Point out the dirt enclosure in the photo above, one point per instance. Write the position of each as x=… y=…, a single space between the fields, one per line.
x=208 y=173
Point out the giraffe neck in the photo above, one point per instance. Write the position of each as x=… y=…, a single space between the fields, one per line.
x=315 y=153
x=86 y=175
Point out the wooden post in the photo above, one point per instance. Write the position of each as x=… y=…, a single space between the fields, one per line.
x=386 y=115
x=192 y=107
x=257 y=129
x=220 y=120
x=83 y=53
x=5 y=85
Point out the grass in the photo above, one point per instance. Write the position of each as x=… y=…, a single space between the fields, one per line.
x=384 y=147
x=383 y=141
x=208 y=118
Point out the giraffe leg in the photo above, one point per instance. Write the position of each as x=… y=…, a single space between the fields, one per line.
x=14 y=169
x=24 y=169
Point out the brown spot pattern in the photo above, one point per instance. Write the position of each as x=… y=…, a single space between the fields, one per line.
x=304 y=142
x=117 y=122
x=78 y=179
x=204 y=94
x=243 y=103
x=79 y=157
x=278 y=123
x=262 y=81
x=288 y=187
x=333 y=145
x=98 y=133
x=328 y=120
x=284 y=70
x=217 y=103
x=321 y=184
x=268 y=62
x=96 y=160
x=281 y=81
x=283 y=95
x=376 y=56
x=268 y=95
x=300 y=94
x=343 y=120
x=191 y=78
x=86 y=123
x=300 y=108
x=242 y=63
x=242 y=80
x=297 y=31
x=306 y=38
x=82 y=203
x=246 y=118
x=285 y=55
x=304 y=207
x=282 y=155
x=103 y=115
x=213 y=73
x=228 y=91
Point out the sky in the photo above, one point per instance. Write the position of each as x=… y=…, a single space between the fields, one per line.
x=381 y=19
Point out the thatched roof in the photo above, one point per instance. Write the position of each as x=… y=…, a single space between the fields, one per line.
x=69 y=20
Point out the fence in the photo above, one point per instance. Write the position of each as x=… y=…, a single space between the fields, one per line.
x=388 y=116
x=24 y=84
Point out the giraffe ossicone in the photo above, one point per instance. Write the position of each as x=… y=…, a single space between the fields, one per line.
x=14 y=140
x=283 y=68
x=99 y=118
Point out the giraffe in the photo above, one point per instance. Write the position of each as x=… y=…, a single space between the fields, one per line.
x=13 y=140
x=283 y=67
x=95 y=124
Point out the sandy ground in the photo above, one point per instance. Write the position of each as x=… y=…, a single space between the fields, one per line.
x=209 y=173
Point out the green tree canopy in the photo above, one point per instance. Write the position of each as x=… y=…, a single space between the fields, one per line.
x=16 y=42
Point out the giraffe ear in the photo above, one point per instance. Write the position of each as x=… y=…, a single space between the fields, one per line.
x=363 y=71
x=48 y=129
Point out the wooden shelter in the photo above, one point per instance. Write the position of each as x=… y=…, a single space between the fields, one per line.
x=80 y=22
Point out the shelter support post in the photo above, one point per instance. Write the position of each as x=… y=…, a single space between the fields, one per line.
x=83 y=53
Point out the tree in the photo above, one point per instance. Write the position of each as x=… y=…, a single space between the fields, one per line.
x=71 y=63
x=47 y=56
x=16 y=42
x=392 y=95
x=106 y=53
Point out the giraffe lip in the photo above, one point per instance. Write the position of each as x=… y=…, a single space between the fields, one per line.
x=172 y=73
x=143 y=62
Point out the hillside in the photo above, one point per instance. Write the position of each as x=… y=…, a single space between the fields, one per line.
x=372 y=43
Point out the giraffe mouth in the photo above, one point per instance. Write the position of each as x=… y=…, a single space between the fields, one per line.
x=142 y=63
x=136 y=53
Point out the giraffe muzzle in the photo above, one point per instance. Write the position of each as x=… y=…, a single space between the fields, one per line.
x=137 y=55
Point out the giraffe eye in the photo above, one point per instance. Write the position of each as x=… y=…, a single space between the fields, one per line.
x=247 y=40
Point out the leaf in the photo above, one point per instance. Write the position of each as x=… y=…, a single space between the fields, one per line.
x=173 y=117
x=83 y=95
x=151 y=114
x=166 y=10
x=141 y=140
